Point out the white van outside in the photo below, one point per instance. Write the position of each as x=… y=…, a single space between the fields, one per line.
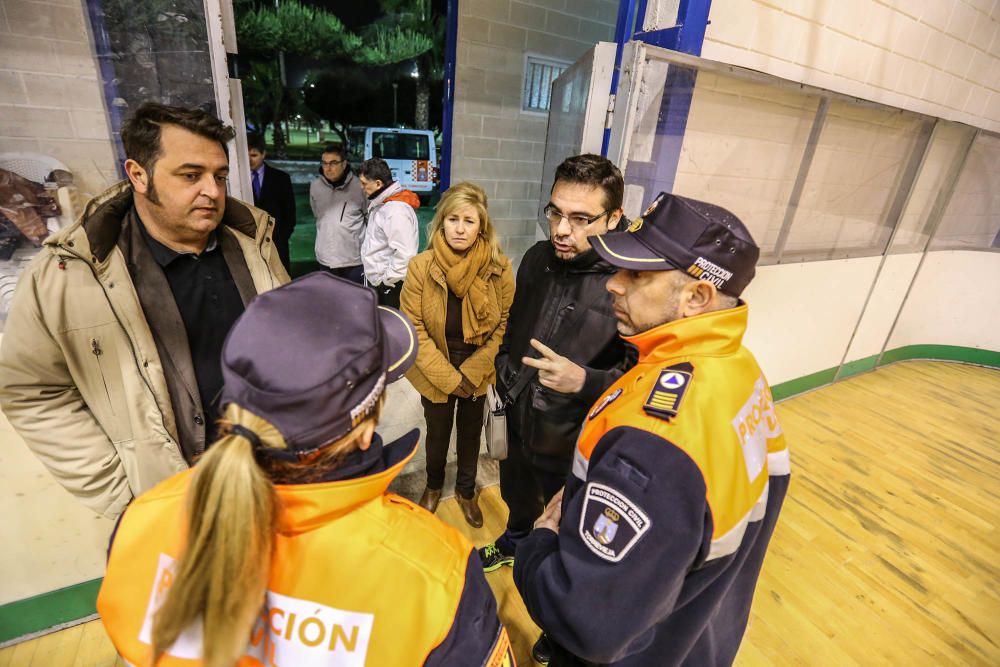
x=410 y=154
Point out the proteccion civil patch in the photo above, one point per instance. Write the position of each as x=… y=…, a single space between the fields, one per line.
x=610 y=523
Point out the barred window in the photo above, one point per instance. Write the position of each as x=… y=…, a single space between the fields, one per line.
x=539 y=73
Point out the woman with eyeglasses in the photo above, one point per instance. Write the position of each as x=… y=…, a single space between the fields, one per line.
x=458 y=294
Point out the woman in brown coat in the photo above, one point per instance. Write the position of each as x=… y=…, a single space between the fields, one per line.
x=458 y=294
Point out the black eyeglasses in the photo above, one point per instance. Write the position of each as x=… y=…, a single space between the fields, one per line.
x=331 y=163
x=555 y=216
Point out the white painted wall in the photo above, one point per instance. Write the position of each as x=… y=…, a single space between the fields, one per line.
x=943 y=157
x=50 y=103
x=954 y=301
x=50 y=540
x=938 y=57
x=887 y=297
x=50 y=93
x=802 y=315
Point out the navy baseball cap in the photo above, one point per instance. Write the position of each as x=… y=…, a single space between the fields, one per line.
x=313 y=357
x=703 y=240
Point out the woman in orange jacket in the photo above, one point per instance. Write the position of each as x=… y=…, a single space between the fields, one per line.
x=458 y=295
x=282 y=546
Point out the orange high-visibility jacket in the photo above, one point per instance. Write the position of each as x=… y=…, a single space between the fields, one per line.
x=359 y=577
x=678 y=478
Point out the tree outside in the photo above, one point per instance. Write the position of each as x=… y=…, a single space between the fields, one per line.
x=311 y=69
x=322 y=66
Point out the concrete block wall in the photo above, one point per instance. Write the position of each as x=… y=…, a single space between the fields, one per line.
x=939 y=57
x=51 y=100
x=494 y=143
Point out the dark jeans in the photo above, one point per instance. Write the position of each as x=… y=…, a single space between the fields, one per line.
x=526 y=489
x=356 y=274
x=469 y=420
x=389 y=296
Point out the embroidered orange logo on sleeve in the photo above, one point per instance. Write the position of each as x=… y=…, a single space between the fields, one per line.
x=502 y=655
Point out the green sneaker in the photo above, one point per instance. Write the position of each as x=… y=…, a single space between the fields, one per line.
x=493 y=558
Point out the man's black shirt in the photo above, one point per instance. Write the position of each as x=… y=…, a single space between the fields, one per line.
x=209 y=303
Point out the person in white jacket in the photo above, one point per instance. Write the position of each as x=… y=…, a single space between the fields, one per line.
x=391 y=239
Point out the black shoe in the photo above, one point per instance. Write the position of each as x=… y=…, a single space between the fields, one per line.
x=493 y=558
x=542 y=650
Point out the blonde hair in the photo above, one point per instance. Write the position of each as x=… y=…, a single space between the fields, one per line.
x=466 y=194
x=232 y=509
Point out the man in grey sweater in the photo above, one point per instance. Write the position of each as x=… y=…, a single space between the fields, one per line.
x=339 y=205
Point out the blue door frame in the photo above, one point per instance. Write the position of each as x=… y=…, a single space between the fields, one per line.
x=687 y=36
x=448 y=108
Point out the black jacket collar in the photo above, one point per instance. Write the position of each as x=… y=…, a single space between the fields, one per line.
x=104 y=225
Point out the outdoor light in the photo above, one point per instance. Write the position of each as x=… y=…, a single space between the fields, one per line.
x=415 y=73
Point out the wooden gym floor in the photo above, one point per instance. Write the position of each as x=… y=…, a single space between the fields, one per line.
x=887 y=551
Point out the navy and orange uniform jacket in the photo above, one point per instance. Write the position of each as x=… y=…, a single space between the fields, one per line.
x=359 y=577
x=678 y=479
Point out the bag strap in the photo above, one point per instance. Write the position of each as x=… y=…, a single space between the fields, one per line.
x=527 y=374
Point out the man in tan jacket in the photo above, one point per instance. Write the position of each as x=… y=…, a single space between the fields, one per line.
x=110 y=360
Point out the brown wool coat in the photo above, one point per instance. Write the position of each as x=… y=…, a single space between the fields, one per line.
x=424 y=300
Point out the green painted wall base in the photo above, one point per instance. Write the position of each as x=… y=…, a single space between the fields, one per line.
x=48 y=610
x=803 y=384
x=856 y=367
x=967 y=355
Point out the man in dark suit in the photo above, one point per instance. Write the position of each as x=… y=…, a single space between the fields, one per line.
x=272 y=191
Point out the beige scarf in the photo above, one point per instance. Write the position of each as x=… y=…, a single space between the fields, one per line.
x=466 y=277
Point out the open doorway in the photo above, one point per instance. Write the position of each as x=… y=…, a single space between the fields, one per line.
x=367 y=76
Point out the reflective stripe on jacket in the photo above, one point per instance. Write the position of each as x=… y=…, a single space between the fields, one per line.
x=726 y=421
x=359 y=577
x=678 y=478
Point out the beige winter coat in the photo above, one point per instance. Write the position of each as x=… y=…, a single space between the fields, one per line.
x=424 y=300
x=81 y=379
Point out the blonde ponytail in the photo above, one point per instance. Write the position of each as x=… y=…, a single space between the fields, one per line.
x=222 y=575
x=232 y=509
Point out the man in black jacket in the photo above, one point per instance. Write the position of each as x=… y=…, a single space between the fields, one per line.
x=561 y=349
x=272 y=191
